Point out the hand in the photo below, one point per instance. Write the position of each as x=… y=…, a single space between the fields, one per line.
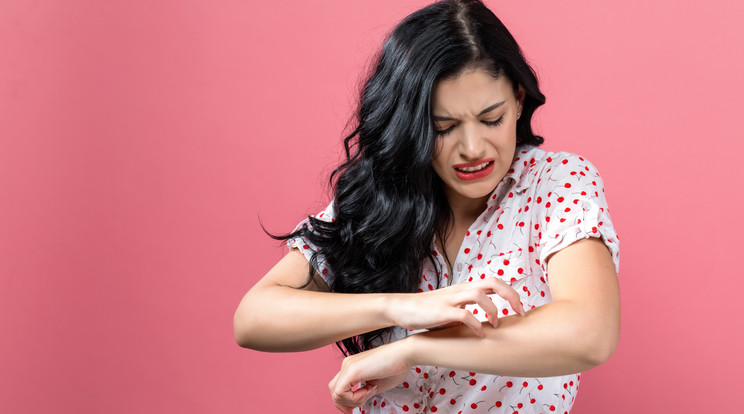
x=380 y=369
x=444 y=307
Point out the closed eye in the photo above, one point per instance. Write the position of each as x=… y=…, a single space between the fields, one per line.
x=443 y=132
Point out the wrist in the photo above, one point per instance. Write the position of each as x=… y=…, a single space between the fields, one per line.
x=390 y=303
x=407 y=349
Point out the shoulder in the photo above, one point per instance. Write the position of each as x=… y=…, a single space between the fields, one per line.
x=550 y=170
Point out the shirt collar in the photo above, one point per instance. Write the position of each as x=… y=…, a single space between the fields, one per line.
x=516 y=177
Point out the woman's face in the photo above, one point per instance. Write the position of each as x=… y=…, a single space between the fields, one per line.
x=475 y=116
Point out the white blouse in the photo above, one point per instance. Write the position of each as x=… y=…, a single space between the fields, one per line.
x=545 y=202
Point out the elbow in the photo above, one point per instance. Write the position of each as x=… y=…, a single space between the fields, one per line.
x=243 y=331
x=599 y=346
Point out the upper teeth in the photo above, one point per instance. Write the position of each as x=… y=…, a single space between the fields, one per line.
x=476 y=168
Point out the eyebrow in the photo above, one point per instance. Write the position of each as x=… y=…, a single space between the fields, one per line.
x=489 y=109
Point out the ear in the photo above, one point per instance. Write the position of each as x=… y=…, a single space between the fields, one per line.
x=520 y=98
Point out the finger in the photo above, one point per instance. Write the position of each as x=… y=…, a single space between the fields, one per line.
x=507 y=292
x=464 y=316
x=492 y=311
x=356 y=398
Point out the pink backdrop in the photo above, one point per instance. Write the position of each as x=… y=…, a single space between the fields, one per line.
x=140 y=142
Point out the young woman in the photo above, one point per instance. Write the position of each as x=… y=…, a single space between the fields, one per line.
x=459 y=267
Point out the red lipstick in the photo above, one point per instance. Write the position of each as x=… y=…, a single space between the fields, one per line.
x=474 y=175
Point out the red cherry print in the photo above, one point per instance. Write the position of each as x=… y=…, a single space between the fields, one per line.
x=560 y=199
x=513 y=279
x=540 y=387
x=442 y=391
x=505 y=312
x=526 y=208
x=479 y=232
x=509 y=384
x=510 y=195
x=416 y=405
x=565 y=386
x=483 y=276
x=520 y=405
x=488 y=234
x=453 y=401
x=305 y=246
x=498 y=403
x=418 y=370
x=568 y=185
x=542 y=293
x=475 y=311
x=570 y=383
x=506 y=262
x=549 y=159
x=520 y=270
x=532 y=401
x=472 y=374
x=467 y=250
x=500 y=272
x=405 y=408
x=524 y=384
x=552 y=408
x=452 y=374
x=547 y=205
x=405 y=385
x=474 y=406
x=594 y=229
x=500 y=226
x=426 y=375
x=472 y=382
x=324 y=271
x=583 y=193
x=480 y=256
x=565 y=161
x=468 y=233
x=431 y=287
x=383 y=404
x=374 y=403
x=483 y=388
x=581 y=158
x=434 y=408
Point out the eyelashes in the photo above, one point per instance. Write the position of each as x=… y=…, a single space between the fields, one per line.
x=443 y=132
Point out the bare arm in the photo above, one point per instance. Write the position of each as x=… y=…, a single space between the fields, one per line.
x=575 y=332
x=275 y=316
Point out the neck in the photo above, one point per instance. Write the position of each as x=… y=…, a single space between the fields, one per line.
x=465 y=210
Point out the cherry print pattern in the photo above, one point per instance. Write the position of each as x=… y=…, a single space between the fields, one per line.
x=545 y=202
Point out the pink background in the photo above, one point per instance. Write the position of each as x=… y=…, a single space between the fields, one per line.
x=141 y=142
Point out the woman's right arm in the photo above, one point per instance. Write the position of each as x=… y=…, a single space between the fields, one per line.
x=276 y=316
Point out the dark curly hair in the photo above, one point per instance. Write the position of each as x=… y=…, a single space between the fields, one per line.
x=389 y=203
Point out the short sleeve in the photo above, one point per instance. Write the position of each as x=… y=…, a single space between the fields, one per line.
x=573 y=207
x=309 y=249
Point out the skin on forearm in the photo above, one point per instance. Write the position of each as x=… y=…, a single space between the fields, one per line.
x=284 y=319
x=551 y=340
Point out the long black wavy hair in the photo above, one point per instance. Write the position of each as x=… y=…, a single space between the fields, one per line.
x=389 y=203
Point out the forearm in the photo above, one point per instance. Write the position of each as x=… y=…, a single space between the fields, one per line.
x=284 y=319
x=555 y=339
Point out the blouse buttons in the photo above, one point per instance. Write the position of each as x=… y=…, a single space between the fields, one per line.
x=459 y=267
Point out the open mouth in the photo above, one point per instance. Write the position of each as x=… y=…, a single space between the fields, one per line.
x=476 y=168
x=474 y=171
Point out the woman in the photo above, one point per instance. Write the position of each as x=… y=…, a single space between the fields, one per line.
x=459 y=267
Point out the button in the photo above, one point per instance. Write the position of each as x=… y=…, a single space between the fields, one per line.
x=459 y=267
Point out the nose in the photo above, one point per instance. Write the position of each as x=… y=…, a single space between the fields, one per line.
x=472 y=145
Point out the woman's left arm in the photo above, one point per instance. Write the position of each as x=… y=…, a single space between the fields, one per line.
x=577 y=331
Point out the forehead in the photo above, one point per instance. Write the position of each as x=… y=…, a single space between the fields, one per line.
x=469 y=93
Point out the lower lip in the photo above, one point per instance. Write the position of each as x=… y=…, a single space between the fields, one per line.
x=475 y=174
